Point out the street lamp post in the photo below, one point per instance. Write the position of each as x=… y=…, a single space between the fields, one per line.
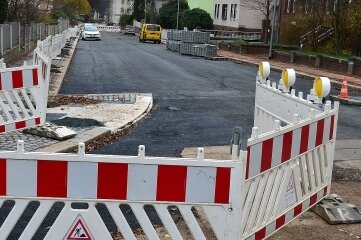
x=178 y=15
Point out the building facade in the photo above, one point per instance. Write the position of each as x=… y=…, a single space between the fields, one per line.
x=230 y=15
x=206 y=5
x=118 y=8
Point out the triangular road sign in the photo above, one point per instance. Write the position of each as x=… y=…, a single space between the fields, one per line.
x=79 y=230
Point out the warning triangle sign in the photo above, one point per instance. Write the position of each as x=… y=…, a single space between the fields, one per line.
x=79 y=230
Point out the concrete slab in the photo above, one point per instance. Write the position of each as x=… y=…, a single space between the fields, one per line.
x=348 y=144
x=71 y=144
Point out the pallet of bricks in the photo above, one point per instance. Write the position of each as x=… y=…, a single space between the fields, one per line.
x=191 y=43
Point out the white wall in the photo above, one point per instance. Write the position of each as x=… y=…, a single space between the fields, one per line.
x=244 y=17
x=116 y=9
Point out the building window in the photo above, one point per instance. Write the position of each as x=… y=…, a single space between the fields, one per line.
x=216 y=11
x=122 y=10
x=233 y=11
x=224 y=11
x=122 y=2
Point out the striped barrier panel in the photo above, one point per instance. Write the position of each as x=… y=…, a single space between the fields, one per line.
x=211 y=186
x=45 y=46
x=288 y=168
x=56 y=45
x=21 y=98
x=283 y=173
x=44 y=62
x=103 y=28
x=273 y=104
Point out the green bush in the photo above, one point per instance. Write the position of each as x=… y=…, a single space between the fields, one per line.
x=168 y=13
x=197 y=19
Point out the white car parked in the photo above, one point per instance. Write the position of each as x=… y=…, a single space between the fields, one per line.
x=91 y=32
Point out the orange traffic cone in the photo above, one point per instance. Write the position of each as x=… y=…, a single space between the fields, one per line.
x=344 y=92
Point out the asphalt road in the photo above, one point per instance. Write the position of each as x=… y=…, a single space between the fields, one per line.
x=214 y=96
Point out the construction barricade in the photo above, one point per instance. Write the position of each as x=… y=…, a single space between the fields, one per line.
x=22 y=102
x=285 y=170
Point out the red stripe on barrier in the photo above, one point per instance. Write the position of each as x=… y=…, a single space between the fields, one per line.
x=297 y=210
x=37 y=121
x=17 y=79
x=3 y=177
x=112 y=181
x=35 y=77
x=325 y=191
x=267 y=147
x=261 y=234
x=223 y=184
x=319 y=134
x=171 y=183
x=286 y=146
x=52 y=178
x=331 y=127
x=2 y=128
x=313 y=199
x=304 y=138
x=248 y=161
x=280 y=221
x=21 y=124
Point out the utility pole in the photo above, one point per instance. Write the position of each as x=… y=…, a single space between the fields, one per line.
x=178 y=15
x=145 y=11
x=273 y=28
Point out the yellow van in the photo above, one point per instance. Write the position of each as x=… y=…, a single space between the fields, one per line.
x=150 y=32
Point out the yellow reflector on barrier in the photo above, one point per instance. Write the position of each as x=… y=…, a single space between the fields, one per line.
x=321 y=87
x=288 y=77
x=264 y=69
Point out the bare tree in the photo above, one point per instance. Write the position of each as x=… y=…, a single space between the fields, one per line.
x=263 y=6
x=22 y=10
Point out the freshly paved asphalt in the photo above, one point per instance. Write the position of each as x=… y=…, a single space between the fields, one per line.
x=214 y=96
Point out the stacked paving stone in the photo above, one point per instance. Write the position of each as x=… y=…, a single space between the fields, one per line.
x=190 y=43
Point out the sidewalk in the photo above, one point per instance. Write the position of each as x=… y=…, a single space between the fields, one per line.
x=308 y=72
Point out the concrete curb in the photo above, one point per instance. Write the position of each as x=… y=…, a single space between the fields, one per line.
x=92 y=135
x=308 y=76
x=57 y=80
x=350 y=101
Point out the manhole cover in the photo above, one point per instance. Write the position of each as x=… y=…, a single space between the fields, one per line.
x=174 y=108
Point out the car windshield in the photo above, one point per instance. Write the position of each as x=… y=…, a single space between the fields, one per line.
x=153 y=27
x=91 y=29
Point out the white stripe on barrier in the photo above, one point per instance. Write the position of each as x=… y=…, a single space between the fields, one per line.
x=200 y=184
x=82 y=180
x=21 y=178
x=142 y=182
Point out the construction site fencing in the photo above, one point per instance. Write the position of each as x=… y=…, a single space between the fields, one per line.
x=284 y=171
x=14 y=35
x=104 y=28
x=22 y=96
x=24 y=90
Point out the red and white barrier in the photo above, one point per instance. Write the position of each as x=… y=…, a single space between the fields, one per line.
x=132 y=182
x=21 y=98
x=286 y=170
